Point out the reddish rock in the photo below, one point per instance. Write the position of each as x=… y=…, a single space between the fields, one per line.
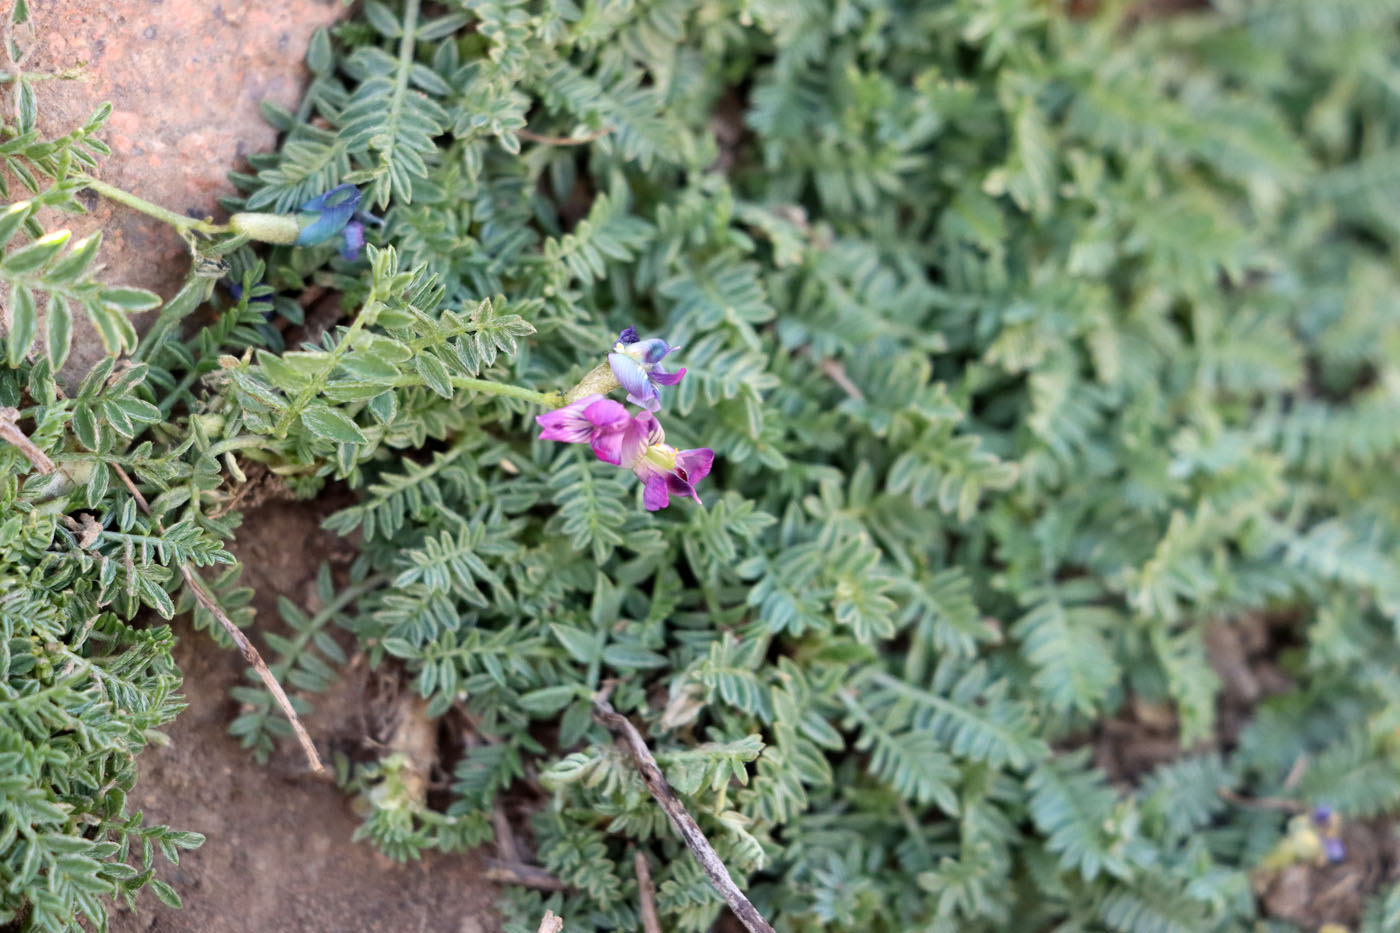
x=184 y=78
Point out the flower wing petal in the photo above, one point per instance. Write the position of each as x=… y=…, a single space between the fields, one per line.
x=695 y=464
x=634 y=444
x=604 y=413
x=660 y=377
x=651 y=351
x=568 y=424
x=678 y=486
x=354 y=240
x=607 y=446
x=609 y=421
x=633 y=378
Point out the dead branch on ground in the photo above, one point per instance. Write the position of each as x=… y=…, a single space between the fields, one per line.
x=527 y=876
x=680 y=818
x=245 y=647
x=647 y=892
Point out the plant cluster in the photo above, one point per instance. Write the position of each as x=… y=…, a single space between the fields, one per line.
x=84 y=683
x=1030 y=340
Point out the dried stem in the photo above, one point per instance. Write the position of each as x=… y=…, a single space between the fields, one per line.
x=1262 y=803
x=245 y=647
x=563 y=140
x=10 y=431
x=250 y=654
x=837 y=374
x=505 y=836
x=527 y=876
x=680 y=818
x=552 y=923
x=647 y=891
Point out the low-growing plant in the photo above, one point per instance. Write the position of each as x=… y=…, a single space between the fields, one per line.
x=1023 y=344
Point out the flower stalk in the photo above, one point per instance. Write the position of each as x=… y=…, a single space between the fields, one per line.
x=180 y=222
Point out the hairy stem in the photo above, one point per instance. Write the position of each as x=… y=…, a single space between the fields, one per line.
x=178 y=221
x=547 y=399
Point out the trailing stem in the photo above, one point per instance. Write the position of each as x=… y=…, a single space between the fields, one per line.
x=180 y=222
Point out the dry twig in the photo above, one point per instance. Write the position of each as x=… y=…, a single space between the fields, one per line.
x=1262 y=803
x=11 y=432
x=245 y=647
x=680 y=818
x=527 y=876
x=563 y=140
x=505 y=836
x=837 y=374
x=552 y=923
x=647 y=891
x=250 y=654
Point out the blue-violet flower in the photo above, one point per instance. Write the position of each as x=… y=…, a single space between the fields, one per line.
x=637 y=365
x=1334 y=849
x=334 y=213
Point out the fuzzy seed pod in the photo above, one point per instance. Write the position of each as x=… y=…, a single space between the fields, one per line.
x=267 y=228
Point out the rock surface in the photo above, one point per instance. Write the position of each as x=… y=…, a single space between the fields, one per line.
x=185 y=78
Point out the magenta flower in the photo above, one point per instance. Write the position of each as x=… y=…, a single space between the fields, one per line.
x=592 y=420
x=637 y=365
x=663 y=470
x=636 y=443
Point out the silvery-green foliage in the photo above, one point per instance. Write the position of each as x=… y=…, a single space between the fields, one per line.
x=1029 y=343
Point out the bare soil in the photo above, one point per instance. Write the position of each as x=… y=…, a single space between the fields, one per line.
x=1244 y=653
x=279 y=855
x=1312 y=895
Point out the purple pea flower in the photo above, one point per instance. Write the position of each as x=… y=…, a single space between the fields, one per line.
x=1334 y=849
x=592 y=420
x=266 y=302
x=636 y=443
x=637 y=365
x=664 y=470
x=1322 y=814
